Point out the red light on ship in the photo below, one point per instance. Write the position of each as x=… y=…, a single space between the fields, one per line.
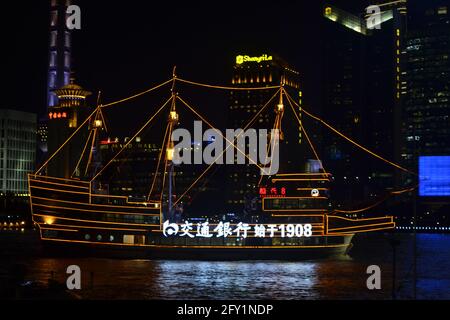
x=272 y=192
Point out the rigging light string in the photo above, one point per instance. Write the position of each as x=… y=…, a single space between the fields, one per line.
x=82 y=154
x=187 y=82
x=90 y=153
x=255 y=117
x=306 y=134
x=141 y=94
x=392 y=193
x=66 y=142
x=350 y=140
x=134 y=137
x=137 y=95
x=159 y=163
x=277 y=126
x=212 y=127
x=225 y=87
x=371 y=206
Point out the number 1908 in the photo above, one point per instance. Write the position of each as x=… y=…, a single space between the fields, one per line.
x=296 y=230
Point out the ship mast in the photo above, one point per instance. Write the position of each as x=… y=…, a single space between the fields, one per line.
x=172 y=122
x=279 y=113
x=97 y=124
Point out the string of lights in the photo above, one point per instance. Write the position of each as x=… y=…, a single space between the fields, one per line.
x=405 y=190
x=137 y=95
x=159 y=164
x=187 y=82
x=225 y=87
x=350 y=140
x=82 y=155
x=255 y=117
x=66 y=142
x=376 y=204
x=134 y=137
x=212 y=127
x=306 y=134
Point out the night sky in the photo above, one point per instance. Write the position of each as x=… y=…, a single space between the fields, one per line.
x=125 y=47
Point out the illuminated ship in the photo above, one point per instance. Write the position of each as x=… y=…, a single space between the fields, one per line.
x=79 y=213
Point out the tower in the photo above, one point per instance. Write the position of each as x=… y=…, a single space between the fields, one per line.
x=64 y=119
x=260 y=71
x=60 y=50
x=59 y=68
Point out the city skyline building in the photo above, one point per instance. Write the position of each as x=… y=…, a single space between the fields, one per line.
x=362 y=95
x=60 y=50
x=426 y=112
x=64 y=119
x=426 y=125
x=17 y=151
x=260 y=71
x=59 y=68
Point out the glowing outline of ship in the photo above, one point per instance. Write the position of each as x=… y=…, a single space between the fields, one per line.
x=67 y=210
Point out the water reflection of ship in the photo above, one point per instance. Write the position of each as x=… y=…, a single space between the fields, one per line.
x=79 y=212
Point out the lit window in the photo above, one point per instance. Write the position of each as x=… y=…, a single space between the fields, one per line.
x=67 y=41
x=52 y=79
x=67 y=59
x=53 y=57
x=54 y=18
x=53 y=37
x=66 y=78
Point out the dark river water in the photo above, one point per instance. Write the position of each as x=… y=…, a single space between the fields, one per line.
x=341 y=278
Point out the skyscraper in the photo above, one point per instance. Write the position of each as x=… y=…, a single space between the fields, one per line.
x=259 y=71
x=363 y=90
x=426 y=115
x=426 y=112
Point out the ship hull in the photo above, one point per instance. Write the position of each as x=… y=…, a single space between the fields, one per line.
x=73 y=220
x=205 y=253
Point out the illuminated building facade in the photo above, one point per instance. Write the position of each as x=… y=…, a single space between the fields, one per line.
x=426 y=113
x=426 y=128
x=17 y=151
x=363 y=91
x=260 y=71
x=64 y=119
